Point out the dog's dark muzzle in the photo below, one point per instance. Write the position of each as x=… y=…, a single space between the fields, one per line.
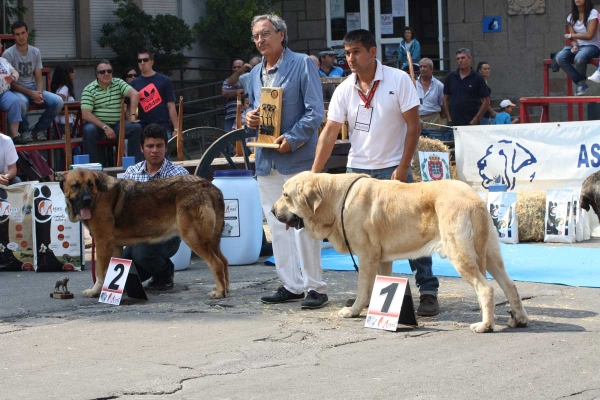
x=295 y=221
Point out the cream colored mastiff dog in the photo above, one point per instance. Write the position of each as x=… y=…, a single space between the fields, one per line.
x=390 y=220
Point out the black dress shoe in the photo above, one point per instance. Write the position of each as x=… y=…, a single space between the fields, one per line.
x=165 y=283
x=282 y=295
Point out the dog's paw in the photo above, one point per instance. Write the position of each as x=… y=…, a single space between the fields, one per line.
x=346 y=312
x=216 y=294
x=517 y=322
x=90 y=293
x=482 y=327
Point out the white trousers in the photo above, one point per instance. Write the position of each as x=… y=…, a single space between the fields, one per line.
x=297 y=255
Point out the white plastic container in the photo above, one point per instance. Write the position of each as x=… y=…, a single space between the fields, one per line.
x=242 y=236
x=181 y=259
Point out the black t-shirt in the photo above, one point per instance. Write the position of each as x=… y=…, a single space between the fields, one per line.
x=155 y=92
x=465 y=95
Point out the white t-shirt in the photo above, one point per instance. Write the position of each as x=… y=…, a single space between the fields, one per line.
x=8 y=153
x=579 y=27
x=60 y=118
x=379 y=141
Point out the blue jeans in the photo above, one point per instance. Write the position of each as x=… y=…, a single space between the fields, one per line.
x=426 y=281
x=152 y=259
x=9 y=102
x=53 y=104
x=92 y=134
x=577 y=73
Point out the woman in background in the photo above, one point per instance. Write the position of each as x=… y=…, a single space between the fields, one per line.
x=409 y=43
x=584 y=43
x=130 y=74
x=62 y=84
x=484 y=69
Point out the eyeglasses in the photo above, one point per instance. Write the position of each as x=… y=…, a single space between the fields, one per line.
x=104 y=71
x=264 y=34
x=132 y=75
x=141 y=60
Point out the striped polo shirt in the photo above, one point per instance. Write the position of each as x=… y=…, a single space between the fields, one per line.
x=105 y=103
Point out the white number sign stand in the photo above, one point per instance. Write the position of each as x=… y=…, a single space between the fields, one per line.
x=121 y=278
x=391 y=304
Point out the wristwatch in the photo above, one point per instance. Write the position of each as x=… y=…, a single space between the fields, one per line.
x=105 y=127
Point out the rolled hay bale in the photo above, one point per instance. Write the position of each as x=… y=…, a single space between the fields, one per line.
x=531 y=211
x=433 y=145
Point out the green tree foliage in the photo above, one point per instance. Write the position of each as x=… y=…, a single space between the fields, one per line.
x=164 y=35
x=13 y=11
x=226 y=25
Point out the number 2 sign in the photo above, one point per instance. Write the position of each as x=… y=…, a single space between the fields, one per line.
x=386 y=309
x=121 y=277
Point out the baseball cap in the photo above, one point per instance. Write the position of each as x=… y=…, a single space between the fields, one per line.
x=326 y=51
x=506 y=103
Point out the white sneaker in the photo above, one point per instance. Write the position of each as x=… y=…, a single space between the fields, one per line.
x=595 y=77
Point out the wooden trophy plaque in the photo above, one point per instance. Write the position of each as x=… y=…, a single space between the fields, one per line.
x=270 y=118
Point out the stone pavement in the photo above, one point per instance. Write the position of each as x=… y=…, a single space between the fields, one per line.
x=183 y=345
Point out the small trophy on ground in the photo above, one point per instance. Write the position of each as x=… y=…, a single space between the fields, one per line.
x=64 y=293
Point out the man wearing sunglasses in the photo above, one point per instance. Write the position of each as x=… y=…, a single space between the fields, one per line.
x=101 y=111
x=157 y=97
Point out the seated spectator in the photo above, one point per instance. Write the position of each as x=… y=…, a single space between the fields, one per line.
x=503 y=117
x=315 y=60
x=28 y=61
x=62 y=84
x=241 y=77
x=230 y=93
x=9 y=101
x=584 y=43
x=8 y=161
x=327 y=61
x=101 y=111
x=130 y=74
x=409 y=43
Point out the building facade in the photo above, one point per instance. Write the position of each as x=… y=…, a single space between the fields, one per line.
x=525 y=32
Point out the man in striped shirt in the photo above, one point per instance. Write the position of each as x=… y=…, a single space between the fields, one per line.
x=101 y=110
x=154 y=260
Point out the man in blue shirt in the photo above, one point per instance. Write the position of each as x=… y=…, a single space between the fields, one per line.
x=466 y=95
x=301 y=115
x=328 y=68
x=157 y=97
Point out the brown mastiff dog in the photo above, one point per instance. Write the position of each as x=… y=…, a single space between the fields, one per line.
x=121 y=212
x=389 y=220
x=590 y=194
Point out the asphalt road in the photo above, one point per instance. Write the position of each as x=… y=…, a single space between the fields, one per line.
x=183 y=345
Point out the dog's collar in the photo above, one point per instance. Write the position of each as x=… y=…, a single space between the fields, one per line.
x=343 y=228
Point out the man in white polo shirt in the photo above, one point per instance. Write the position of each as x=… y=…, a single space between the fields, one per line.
x=381 y=106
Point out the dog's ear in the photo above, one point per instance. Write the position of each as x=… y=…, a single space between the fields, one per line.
x=61 y=181
x=310 y=196
x=100 y=181
x=584 y=202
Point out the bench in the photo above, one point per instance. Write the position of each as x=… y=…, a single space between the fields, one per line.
x=579 y=100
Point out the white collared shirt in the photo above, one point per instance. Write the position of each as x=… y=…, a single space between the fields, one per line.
x=382 y=145
x=433 y=100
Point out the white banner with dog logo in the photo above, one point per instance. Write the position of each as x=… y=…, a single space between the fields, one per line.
x=528 y=156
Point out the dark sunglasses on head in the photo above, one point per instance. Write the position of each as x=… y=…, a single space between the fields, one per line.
x=132 y=75
x=143 y=59
x=104 y=71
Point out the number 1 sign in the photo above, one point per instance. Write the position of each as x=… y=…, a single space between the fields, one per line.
x=121 y=277
x=386 y=309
